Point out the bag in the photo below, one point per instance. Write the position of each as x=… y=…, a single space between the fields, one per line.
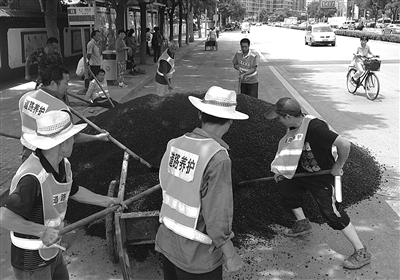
x=80 y=69
x=372 y=64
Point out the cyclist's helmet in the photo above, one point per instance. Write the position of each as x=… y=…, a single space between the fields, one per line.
x=364 y=38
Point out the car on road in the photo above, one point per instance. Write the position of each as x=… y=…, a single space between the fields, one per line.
x=348 y=24
x=258 y=24
x=320 y=34
x=393 y=28
x=245 y=28
x=229 y=27
x=383 y=22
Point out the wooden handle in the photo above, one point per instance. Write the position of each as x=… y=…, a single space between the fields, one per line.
x=9 y=135
x=299 y=175
x=106 y=211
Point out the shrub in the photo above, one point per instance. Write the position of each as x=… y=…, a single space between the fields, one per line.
x=370 y=35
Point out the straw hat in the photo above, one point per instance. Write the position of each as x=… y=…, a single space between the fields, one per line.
x=53 y=128
x=220 y=103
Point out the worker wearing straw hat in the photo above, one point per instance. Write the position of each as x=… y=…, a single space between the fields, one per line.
x=35 y=209
x=307 y=147
x=51 y=96
x=197 y=210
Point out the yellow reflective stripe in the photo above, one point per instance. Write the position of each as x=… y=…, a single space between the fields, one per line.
x=290 y=152
x=283 y=168
x=188 y=211
x=185 y=231
x=30 y=244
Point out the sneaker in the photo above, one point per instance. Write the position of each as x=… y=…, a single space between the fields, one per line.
x=122 y=85
x=300 y=227
x=358 y=259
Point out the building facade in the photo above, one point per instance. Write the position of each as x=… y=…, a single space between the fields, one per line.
x=253 y=7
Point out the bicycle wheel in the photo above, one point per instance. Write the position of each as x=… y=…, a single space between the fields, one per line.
x=351 y=86
x=372 y=86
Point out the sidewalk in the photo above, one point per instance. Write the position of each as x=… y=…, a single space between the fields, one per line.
x=10 y=149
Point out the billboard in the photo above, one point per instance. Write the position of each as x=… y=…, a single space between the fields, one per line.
x=327 y=4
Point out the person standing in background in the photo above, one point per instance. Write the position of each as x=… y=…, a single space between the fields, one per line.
x=94 y=52
x=122 y=56
x=148 y=41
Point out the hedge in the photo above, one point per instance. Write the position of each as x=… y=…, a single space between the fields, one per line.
x=370 y=35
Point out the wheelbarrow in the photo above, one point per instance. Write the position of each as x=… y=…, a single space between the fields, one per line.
x=211 y=45
x=123 y=229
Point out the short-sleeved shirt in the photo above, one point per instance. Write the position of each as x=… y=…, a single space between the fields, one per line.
x=44 y=59
x=26 y=201
x=317 y=149
x=215 y=218
x=248 y=61
x=94 y=50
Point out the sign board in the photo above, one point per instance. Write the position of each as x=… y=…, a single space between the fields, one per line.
x=80 y=16
x=327 y=4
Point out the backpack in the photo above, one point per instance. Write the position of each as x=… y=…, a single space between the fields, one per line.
x=157 y=39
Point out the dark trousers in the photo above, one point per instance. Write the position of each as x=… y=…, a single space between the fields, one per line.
x=249 y=89
x=322 y=190
x=95 y=69
x=157 y=53
x=148 y=50
x=171 y=272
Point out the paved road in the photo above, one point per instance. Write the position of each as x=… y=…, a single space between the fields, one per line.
x=317 y=256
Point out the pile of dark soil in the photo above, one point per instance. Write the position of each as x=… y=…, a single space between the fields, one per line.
x=146 y=124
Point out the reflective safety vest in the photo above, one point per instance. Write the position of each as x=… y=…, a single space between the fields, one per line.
x=54 y=198
x=170 y=61
x=246 y=63
x=290 y=149
x=181 y=175
x=32 y=105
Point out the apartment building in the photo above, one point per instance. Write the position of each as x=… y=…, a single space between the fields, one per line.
x=253 y=7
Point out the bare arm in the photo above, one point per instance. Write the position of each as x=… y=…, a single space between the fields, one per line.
x=343 y=150
x=86 y=196
x=14 y=222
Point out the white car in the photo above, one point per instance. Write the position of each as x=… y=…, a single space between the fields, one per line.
x=245 y=27
x=320 y=34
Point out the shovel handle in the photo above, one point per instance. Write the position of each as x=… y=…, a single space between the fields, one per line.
x=298 y=175
x=106 y=211
x=9 y=135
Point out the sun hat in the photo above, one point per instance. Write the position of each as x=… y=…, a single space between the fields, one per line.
x=220 y=103
x=53 y=128
x=284 y=106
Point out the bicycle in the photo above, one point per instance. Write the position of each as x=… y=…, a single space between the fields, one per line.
x=368 y=80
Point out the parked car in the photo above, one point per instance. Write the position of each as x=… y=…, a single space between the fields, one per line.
x=258 y=24
x=348 y=24
x=229 y=27
x=320 y=34
x=383 y=22
x=393 y=28
x=245 y=27
x=359 y=25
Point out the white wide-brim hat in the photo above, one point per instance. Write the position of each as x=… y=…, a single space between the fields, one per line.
x=53 y=128
x=220 y=103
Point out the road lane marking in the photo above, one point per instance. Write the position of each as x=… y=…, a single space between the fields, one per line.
x=394 y=204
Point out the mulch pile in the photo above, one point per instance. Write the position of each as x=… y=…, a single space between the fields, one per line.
x=146 y=124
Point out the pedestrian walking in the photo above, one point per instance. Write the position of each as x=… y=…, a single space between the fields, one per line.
x=122 y=56
x=165 y=69
x=308 y=147
x=94 y=52
x=51 y=96
x=45 y=56
x=197 y=210
x=35 y=209
x=246 y=62
x=156 y=43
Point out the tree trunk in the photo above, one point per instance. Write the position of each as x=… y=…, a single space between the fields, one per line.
x=180 y=23
x=143 y=25
x=120 y=11
x=187 y=23
x=171 y=25
x=161 y=14
x=50 y=19
x=191 y=34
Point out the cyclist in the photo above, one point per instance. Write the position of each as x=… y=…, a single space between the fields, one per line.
x=357 y=61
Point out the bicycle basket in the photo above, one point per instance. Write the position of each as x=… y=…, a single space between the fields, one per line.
x=372 y=64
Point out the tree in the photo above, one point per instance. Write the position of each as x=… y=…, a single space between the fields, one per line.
x=394 y=7
x=120 y=9
x=264 y=15
x=49 y=7
x=232 y=8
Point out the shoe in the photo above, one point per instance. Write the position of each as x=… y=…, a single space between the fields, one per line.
x=122 y=85
x=358 y=259
x=300 y=227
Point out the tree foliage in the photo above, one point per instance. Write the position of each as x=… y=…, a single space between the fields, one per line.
x=232 y=8
x=264 y=15
x=393 y=7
